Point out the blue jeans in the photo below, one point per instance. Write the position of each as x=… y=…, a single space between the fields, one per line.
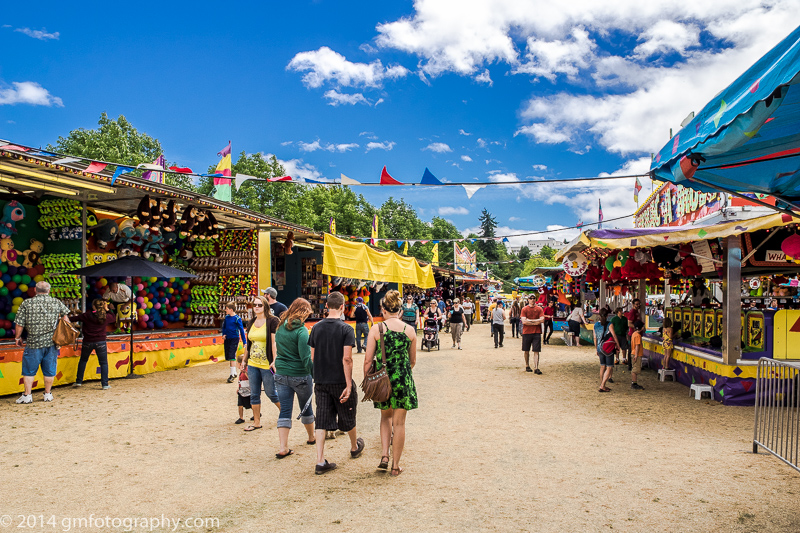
x=362 y=328
x=101 y=350
x=287 y=387
x=47 y=358
x=257 y=376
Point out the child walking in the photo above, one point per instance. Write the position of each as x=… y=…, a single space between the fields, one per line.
x=637 y=351
x=243 y=395
x=232 y=331
x=666 y=342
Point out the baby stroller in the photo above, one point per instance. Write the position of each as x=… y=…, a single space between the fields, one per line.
x=430 y=334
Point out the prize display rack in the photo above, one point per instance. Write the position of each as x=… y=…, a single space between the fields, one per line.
x=238 y=268
x=65 y=287
x=205 y=287
x=314 y=286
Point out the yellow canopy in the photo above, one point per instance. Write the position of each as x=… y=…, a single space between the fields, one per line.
x=349 y=259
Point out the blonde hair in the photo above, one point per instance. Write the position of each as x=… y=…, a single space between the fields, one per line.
x=392 y=302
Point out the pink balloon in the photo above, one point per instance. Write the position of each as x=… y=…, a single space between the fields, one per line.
x=157 y=306
x=140 y=300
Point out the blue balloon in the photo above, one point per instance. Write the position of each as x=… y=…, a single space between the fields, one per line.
x=5 y=277
x=16 y=292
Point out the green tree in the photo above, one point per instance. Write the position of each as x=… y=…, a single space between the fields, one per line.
x=524 y=254
x=116 y=141
x=488 y=224
x=547 y=252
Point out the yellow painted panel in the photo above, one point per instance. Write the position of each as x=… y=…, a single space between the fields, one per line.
x=720 y=322
x=786 y=343
x=697 y=322
x=755 y=330
x=686 y=319
x=709 y=324
x=264 y=261
x=668 y=313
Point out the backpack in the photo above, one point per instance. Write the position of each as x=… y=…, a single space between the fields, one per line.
x=607 y=344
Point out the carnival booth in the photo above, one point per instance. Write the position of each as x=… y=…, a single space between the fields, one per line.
x=716 y=342
x=60 y=216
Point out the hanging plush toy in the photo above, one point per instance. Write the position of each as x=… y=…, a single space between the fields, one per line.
x=13 y=212
x=144 y=211
x=105 y=232
x=169 y=217
x=287 y=246
x=214 y=225
x=188 y=221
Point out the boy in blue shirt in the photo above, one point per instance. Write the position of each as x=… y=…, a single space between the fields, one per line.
x=232 y=330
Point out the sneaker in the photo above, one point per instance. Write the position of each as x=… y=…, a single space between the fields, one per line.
x=230 y=379
x=25 y=398
x=77 y=385
x=321 y=469
x=48 y=396
x=359 y=448
x=636 y=386
x=537 y=371
x=106 y=387
x=528 y=369
x=611 y=380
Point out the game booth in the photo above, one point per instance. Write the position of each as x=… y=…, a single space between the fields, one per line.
x=59 y=216
x=719 y=340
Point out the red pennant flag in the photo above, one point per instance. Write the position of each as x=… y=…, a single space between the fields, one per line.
x=386 y=179
x=281 y=178
x=95 y=167
x=15 y=147
x=182 y=170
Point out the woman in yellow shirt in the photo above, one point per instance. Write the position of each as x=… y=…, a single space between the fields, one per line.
x=259 y=356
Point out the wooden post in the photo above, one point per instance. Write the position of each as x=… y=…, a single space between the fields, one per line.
x=732 y=300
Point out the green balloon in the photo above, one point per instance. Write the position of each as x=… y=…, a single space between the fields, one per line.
x=3 y=268
x=11 y=316
x=26 y=279
x=16 y=278
x=3 y=291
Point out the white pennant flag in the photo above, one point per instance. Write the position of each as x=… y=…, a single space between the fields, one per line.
x=472 y=189
x=66 y=161
x=349 y=181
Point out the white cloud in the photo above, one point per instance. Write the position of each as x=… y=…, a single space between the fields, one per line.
x=549 y=58
x=539 y=167
x=287 y=143
x=336 y=98
x=328 y=147
x=462 y=132
x=450 y=211
x=42 y=34
x=439 y=148
x=514 y=219
x=297 y=168
x=466 y=158
x=346 y=147
x=666 y=36
x=385 y=145
x=481 y=142
x=312 y=147
x=369 y=135
x=484 y=77
x=28 y=92
x=325 y=65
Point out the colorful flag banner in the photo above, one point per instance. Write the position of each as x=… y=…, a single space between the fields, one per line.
x=599 y=214
x=405 y=248
x=152 y=173
x=14 y=147
x=374 y=234
x=386 y=179
x=464 y=260
x=222 y=175
x=181 y=170
x=280 y=178
x=429 y=179
x=95 y=167
x=348 y=181
x=66 y=160
x=332 y=226
x=435 y=257
x=636 y=188
x=119 y=172
x=472 y=189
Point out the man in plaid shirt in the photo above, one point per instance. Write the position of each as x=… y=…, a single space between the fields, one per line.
x=39 y=315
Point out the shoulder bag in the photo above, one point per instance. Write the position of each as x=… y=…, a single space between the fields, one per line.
x=376 y=385
x=608 y=346
x=65 y=333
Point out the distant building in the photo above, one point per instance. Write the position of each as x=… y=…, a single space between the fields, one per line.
x=514 y=249
x=537 y=245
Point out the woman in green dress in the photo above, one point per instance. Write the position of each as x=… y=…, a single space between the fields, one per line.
x=401 y=355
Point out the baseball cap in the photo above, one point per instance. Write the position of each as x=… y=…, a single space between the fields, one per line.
x=360 y=300
x=271 y=292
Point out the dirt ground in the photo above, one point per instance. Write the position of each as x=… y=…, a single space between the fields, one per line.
x=490 y=448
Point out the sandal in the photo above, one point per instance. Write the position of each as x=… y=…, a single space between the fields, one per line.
x=397 y=469
x=384 y=464
x=311 y=441
x=282 y=455
x=604 y=389
x=252 y=428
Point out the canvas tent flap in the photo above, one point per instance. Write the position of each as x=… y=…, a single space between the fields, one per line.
x=747 y=135
x=620 y=239
x=356 y=260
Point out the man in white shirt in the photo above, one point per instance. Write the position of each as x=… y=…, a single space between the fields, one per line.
x=117 y=293
x=469 y=311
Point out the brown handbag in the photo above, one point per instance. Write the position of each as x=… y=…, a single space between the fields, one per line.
x=65 y=333
x=376 y=385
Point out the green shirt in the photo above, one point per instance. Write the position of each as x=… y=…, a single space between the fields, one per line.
x=294 y=354
x=620 y=325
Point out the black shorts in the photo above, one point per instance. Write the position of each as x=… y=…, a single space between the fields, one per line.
x=231 y=345
x=244 y=401
x=532 y=342
x=574 y=327
x=331 y=413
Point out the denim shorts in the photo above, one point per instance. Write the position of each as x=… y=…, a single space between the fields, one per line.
x=47 y=358
x=605 y=360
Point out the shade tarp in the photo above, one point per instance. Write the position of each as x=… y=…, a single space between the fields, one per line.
x=131 y=266
x=620 y=239
x=746 y=138
x=356 y=260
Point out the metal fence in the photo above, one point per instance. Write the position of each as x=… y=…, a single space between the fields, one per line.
x=777 y=416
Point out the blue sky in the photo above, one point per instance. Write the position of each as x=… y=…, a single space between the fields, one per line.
x=502 y=90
